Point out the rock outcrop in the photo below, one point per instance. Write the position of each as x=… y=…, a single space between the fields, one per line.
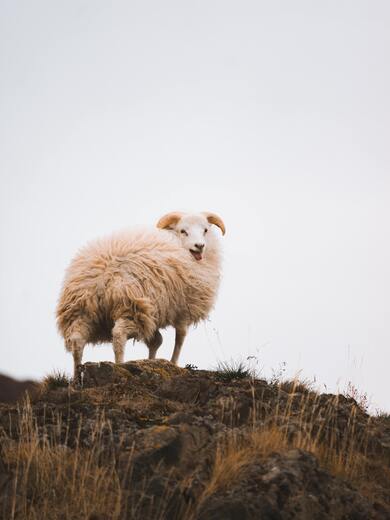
x=175 y=443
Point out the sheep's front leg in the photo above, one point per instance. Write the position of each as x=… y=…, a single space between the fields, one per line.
x=154 y=344
x=181 y=332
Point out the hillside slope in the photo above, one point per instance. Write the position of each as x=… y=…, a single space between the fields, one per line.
x=12 y=389
x=149 y=440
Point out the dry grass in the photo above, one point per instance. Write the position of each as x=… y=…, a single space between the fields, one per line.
x=236 y=454
x=302 y=423
x=55 y=482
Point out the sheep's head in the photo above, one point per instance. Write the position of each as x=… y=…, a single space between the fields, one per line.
x=192 y=229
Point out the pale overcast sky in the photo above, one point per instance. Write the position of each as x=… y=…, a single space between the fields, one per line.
x=276 y=115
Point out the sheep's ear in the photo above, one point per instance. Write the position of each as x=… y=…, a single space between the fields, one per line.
x=212 y=218
x=169 y=220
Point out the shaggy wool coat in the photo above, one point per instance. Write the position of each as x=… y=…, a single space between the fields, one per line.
x=145 y=277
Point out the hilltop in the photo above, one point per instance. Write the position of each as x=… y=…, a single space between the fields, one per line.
x=146 y=439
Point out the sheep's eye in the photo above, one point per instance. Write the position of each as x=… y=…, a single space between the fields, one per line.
x=184 y=232
x=205 y=230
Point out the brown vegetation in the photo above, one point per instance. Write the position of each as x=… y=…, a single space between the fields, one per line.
x=150 y=440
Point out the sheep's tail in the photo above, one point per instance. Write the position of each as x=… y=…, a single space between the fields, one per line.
x=71 y=313
x=76 y=334
x=141 y=322
x=144 y=317
x=84 y=316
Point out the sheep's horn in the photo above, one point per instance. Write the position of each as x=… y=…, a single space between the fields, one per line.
x=212 y=218
x=168 y=220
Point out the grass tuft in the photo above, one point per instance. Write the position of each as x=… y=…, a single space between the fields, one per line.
x=227 y=371
x=56 y=380
x=297 y=386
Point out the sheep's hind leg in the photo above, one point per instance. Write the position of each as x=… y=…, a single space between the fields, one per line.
x=181 y=332
x=153 y=344
x=76 y=344
x=122 y=330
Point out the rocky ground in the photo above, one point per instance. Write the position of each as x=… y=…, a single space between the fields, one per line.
x=149 y=440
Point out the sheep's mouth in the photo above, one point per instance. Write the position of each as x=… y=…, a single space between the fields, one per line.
x=196 y=254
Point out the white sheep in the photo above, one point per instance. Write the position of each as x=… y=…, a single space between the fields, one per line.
x=134 y=283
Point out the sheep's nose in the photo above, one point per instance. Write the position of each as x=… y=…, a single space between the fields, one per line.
x=200 y=247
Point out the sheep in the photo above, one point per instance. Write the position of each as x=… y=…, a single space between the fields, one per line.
x=133 y=283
